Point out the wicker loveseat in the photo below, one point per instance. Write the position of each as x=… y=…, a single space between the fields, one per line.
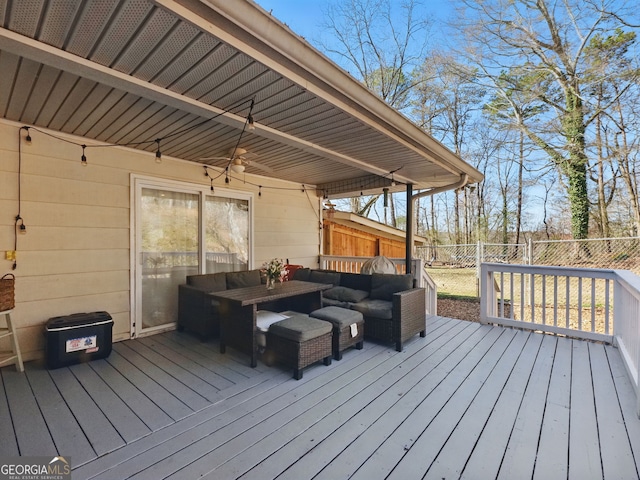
x=198 y=311
x=393 y=309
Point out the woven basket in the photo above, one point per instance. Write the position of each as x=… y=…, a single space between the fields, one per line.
x=7 y=289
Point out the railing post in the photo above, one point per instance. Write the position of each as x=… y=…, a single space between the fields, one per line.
x=486 y=295
x=479 y=260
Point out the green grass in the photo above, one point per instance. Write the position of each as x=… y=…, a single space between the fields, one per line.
x=458 y=282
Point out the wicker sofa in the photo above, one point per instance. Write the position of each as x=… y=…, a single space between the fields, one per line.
x=393 y=309
x=197 y=311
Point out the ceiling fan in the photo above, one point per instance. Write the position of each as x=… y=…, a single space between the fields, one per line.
x=239 y=159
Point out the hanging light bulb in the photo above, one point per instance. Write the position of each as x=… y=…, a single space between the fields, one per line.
x=27 y=139
x=158 y=153
x=250 y=126
x=22 y=228
x=83 y=158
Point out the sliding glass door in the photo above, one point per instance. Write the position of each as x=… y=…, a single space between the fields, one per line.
x=227 y=234
x=170 y=222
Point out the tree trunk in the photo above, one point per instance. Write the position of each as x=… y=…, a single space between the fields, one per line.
x=520 y=191
x=575 y=167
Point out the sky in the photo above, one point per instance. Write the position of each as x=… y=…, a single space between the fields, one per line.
x=305 y=17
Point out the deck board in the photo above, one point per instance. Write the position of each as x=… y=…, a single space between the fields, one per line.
x=204 y=359
x=451 y=404
x=320 y=408
x=118 y=464
x=31 y=431
x=157 y=345
x=485 y=459
x=617 y=456
x=150 y=413
x=347 y=414
x=164 y=399
x=66 y=432
x=451 y=460
x=124 y=420
x=468 y=401
x=354 y=441
x=554 y=431
x=179 y=373
x=220 y=423
x=180 y=390
x=417 y=410
x=627 y=401
x=584 y=453
x=101 y=433
x=520 y=455
x=9 y=443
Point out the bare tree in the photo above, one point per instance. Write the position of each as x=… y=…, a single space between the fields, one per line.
x=539 y=49
x=381 y=40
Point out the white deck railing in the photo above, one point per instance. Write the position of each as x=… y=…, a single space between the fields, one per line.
x=592 y=304
x=422 y=278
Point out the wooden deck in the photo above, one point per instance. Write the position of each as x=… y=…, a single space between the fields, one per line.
x=468 y=401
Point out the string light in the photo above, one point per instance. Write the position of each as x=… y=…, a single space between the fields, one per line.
x=83 y=158
x=158 y=153
x=250 y=126
x=27 y=139
x=22 y=228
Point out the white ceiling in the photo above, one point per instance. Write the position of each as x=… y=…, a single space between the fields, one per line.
x=131 y=71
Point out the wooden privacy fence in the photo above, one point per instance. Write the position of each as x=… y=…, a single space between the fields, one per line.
x=347 y=241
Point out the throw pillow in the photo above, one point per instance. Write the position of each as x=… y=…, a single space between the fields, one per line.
x=345 y=294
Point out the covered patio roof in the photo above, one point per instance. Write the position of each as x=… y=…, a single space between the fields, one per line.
x=186 y=73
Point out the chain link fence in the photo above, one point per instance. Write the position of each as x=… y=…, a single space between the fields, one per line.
x=455 y=268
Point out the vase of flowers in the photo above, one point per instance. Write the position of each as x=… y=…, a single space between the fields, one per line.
x=274 y=271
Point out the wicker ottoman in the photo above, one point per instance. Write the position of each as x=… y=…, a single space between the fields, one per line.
x=299 y=341
x=344 y=334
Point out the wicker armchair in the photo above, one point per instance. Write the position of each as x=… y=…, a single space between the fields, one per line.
x=393 y=310
x=408 y=319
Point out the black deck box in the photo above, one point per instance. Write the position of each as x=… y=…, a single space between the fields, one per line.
x=78 y=338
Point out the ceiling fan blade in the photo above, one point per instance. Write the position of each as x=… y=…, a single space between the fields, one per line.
x=215 y=158
x=259 y=166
